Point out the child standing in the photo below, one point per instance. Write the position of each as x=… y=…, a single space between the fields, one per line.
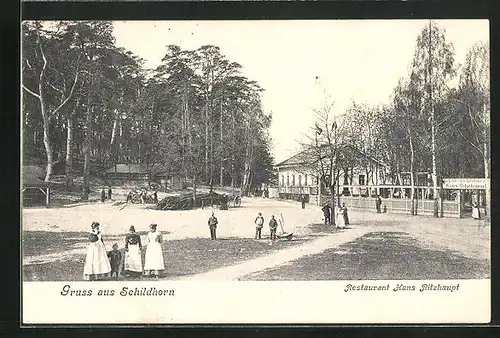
x=115 y=258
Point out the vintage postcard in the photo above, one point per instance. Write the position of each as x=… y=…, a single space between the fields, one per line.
x=265 y=172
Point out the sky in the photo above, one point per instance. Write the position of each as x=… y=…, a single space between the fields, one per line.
x=301 y=62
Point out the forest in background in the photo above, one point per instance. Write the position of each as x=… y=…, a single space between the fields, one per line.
x=88 y=104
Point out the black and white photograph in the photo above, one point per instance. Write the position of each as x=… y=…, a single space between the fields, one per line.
x=265 y=153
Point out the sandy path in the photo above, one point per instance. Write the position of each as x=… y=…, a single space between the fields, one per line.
x=281 y=257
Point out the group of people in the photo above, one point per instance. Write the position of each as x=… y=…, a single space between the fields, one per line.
x=342 y=215
x=100 y=264
x=259 y=224
x=105 y=195
x=143 y=195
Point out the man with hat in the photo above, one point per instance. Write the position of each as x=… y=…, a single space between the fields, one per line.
x=273 y=225
x=259 y=224
x=212 y=224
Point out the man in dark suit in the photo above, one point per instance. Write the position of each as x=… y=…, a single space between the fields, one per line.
x=212 y=224
x=378 y=203
x=327 y=212
x=273 y=225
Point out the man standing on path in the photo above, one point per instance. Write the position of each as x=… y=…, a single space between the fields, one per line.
x=327 y=214
x=303 y=200
x=109 y=193
x=212 y=224
x=273 y=225
x=103 y=195
x=378 y=203
x=259 y=223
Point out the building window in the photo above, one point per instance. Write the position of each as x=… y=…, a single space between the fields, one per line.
x=287 y=180
x=361 y=180
x=293 y=180
x=282 y=180
x=300 y=180
x=305 y=180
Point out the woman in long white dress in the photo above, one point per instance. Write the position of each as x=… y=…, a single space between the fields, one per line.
x=154 y=256
x=97 y=264
x=340 y=222
x=133 y=246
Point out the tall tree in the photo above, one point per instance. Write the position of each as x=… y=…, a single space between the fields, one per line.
x=474 y=105
x=40 y=51
x=432 y=70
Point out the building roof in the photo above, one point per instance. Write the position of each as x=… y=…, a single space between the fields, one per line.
x=304 y=157
x=34 y=171
x=32 y=177
x=122 y=168
x=308 y=156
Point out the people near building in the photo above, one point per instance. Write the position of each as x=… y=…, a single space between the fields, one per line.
x=303 y=201
x=339 y=222
x=378 y=204
x=224 y=202
x=97 y=264
x=273 y=226
x=345 y=214
x=212 y=224
x=327 y=213
x=133 y=247
x=476 y=214
x=259 y=224
x=103 y=195
x=130 y=195
x=154 y=256
x=115 y=260
x=109 y=193
x=155 y=196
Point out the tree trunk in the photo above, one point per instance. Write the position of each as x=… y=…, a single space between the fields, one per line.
x=332 y=201
x=69 y=154
x=87 y=149
x=46 y=140
x=486 y=161
x=206 y=141
x=433 y=131
x=45 y=117
x=435 y=194
x=120 y=143
x=414 y=204
x=194 y=191
x=221 y=179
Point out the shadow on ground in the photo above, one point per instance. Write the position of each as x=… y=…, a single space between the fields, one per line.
x=182 y=257
x=379 y=255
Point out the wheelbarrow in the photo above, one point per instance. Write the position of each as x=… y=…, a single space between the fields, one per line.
x=287 y=236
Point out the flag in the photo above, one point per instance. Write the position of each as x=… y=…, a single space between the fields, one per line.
x=318 y=130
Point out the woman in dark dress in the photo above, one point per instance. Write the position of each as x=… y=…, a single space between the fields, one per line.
x=346 y=215
x=133 y=246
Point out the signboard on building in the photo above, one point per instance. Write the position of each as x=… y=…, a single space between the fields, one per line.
x=465 y=183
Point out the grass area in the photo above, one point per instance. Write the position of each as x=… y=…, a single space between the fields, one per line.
x=182 y=257
x=379 y=255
